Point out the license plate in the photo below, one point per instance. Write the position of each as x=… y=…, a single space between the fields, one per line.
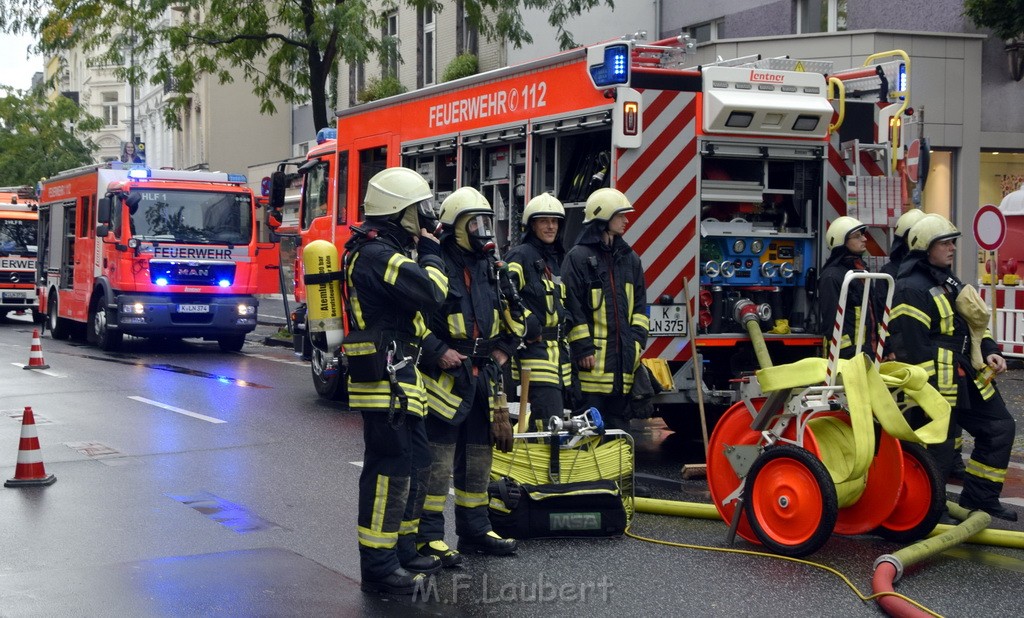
x=193 y=308
x=14 y=294
x=668 y=321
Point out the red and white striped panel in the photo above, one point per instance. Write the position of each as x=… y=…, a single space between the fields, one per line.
x=660 y=180
x=1009 y=318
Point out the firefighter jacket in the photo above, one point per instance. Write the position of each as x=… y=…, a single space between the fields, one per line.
x=897 y=253
x=607 y=299
x=474 y=320
x=535 y=268
x=830 y=285
x=387 y=296
x=927 y=331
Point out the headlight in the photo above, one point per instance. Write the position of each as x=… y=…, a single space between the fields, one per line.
x=246 y=309
x=133 y=308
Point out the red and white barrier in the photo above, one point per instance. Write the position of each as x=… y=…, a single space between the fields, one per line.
x=1009 y=331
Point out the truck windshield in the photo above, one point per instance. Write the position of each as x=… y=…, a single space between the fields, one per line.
x=17 y=237
x=193 y=216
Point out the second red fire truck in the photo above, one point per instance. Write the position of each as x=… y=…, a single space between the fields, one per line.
x=148 y=253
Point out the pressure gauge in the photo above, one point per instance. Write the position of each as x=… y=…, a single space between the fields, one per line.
x=756 y=246
x=739 y=245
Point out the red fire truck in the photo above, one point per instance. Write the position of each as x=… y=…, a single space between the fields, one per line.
x=18 y=215
x=148 y=253
x=735 y=170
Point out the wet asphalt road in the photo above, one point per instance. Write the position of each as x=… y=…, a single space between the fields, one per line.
x=253 y=515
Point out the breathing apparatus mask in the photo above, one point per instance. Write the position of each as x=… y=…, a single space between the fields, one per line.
x=475 y=233
x=420 y=215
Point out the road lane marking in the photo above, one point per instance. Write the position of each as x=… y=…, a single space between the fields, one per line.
x=45 y=371
x=202 y=417
x=277 y=359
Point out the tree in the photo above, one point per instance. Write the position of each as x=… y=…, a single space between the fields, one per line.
x=284 y=48
x=1004 y=17
x=37 y=136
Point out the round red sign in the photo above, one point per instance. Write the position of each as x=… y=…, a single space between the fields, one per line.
x=989 y=227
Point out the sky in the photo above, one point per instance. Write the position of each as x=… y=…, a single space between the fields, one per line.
x=15 y=69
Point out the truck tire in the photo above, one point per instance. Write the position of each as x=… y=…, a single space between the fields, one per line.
x=105 y=339
x=59 y=327
x=231 y=343
x=333 y=386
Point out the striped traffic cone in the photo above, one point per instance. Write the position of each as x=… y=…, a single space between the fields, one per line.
x=30 y=471
x=35 y=355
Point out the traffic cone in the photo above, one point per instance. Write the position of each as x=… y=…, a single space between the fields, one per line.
x=30 y=471
x=35 y=355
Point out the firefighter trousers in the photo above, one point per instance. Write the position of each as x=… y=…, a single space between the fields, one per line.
x=392 y=488
x=462 y=453
x=993 y=429
x=614 y=409
x=545 y=401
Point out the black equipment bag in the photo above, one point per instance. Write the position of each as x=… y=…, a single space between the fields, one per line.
x=581 y=509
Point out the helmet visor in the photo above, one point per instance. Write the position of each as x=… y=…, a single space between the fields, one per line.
x=426 y=212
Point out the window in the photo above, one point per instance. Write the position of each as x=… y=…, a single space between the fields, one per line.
x=426 y=48
x=466 y=41
x=371 y=161
x=342 y=203
x=356 y=82
x=711 y=31
x=316 y=191
x=389 y=56
x=110 y=107
x=820 y=16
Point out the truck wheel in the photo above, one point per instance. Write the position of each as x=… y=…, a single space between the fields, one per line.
x=104 y=338
x=231 y=343
x=59 y=327
x=330 y=385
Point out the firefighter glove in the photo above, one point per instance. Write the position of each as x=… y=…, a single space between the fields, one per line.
x=501 y=431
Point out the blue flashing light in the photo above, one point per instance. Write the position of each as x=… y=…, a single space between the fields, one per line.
x=615 y=69
x=237 y=178
x=901 y=79
x=325 y=134
x=161 y=281
x=140 y=172
x=224 y=283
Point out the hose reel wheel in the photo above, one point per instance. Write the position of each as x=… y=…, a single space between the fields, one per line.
x=790 y=501
x=922 y=498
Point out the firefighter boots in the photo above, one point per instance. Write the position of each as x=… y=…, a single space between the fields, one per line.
x=398 y=581
x=490 y=544
x=449 y=557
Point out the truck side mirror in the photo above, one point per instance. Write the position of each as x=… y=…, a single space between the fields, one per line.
x=278 y=183
x=102 y=231
x=103 y=211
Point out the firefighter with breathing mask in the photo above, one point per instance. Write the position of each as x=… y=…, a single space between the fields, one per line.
x=846 y=238
x=940 y=324
x=535 y=265
x=471 y=337
x=604 y=281
x=387 y=294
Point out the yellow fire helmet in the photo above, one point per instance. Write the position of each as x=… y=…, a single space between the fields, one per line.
x=929 y=229
x=840 y=230
x=604 y=204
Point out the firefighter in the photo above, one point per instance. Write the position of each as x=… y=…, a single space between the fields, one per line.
x=604 y=282
x=847 y=240
x=535 y=264
x=932 y=327
x=388 y=295
x=471 y=338
x=899 y=251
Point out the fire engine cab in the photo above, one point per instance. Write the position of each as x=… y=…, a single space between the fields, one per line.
x=148 y=253
x=18 y=215
x=735 y=170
